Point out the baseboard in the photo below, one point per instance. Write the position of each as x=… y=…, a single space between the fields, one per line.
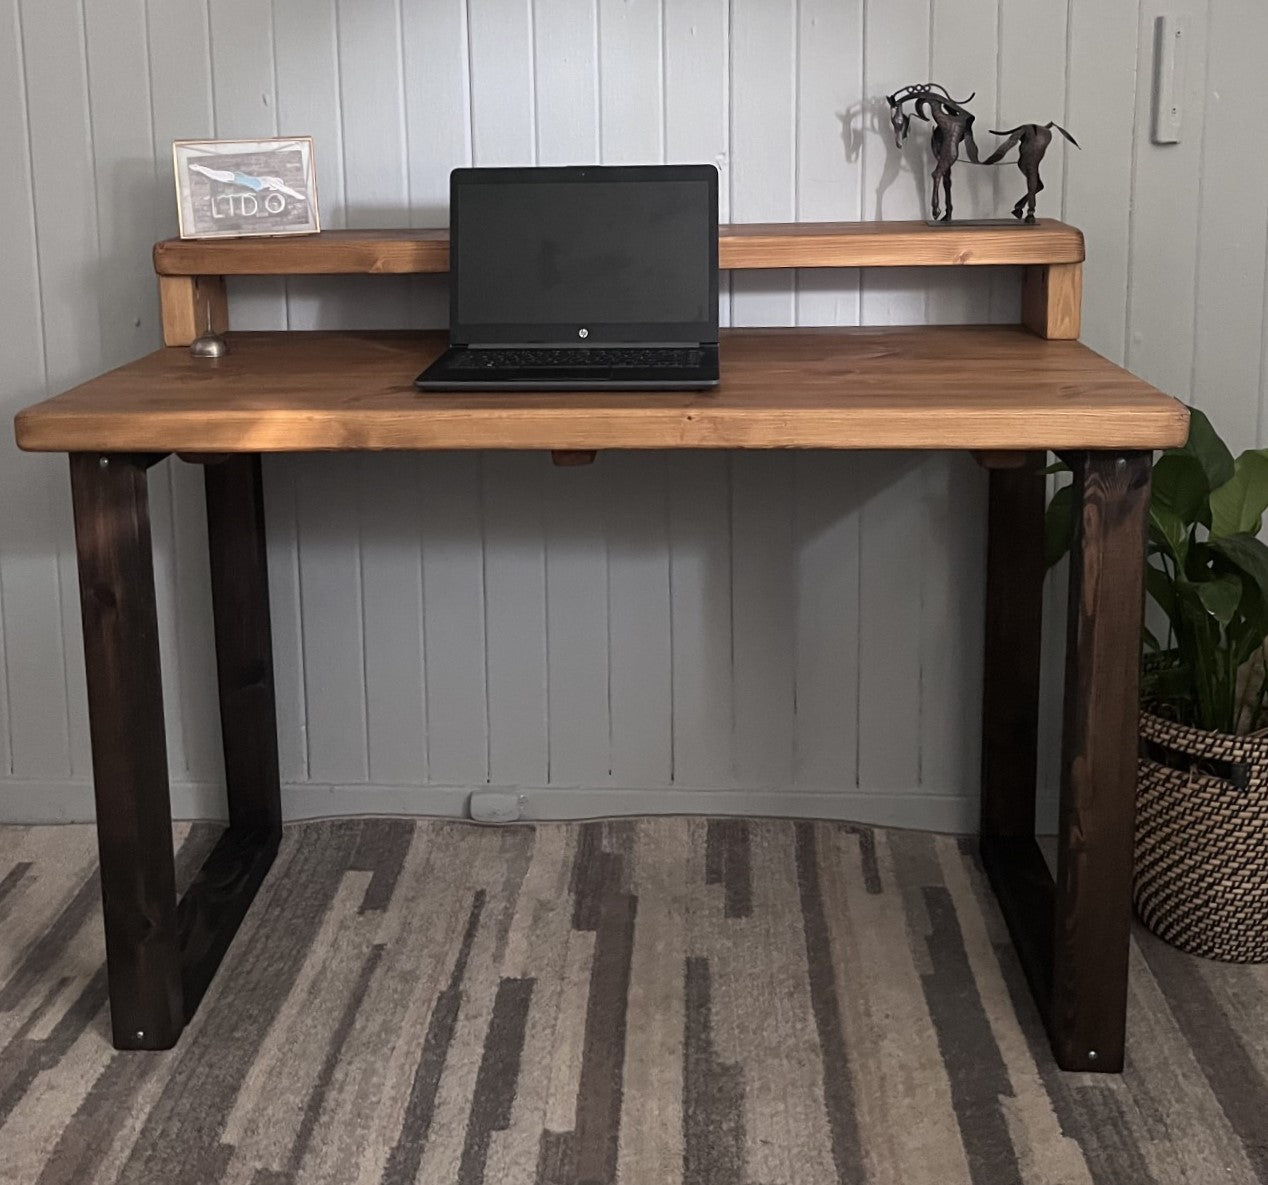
x=24 y=801
x=915 y=811
x=71 y=802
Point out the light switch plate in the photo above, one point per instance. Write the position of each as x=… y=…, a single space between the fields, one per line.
x=1171 y=37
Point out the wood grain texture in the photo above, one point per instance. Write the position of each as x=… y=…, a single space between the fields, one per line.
x=1092 y=925
x=981 y=387
x=1014 y=616
x=1026 y=893
x=1052 y=300
x=741 y=245
x=129 y=749
x=212 y=908
x=244 y=643
x=184 y=305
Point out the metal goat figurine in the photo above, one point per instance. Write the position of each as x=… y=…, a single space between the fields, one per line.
x=953 y=126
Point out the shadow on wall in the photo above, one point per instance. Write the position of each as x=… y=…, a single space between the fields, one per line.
x=868 y=121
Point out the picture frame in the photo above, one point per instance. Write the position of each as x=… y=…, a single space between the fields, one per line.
x=239 y=188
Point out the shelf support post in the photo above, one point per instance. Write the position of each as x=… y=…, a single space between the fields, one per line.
x=1052 y=300
x=184 y=302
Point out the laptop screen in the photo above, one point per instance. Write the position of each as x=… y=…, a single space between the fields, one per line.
x=593 y=254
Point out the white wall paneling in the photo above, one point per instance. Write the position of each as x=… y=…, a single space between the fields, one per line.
x=721 y=632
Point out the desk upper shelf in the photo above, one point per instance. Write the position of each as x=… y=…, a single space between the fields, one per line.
x=935 y=387
x=755 y=245
x=192 y=272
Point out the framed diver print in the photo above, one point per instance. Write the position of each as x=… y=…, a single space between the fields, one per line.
x=229 y=188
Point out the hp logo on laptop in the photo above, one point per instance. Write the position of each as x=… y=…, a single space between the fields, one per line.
x=583 y=333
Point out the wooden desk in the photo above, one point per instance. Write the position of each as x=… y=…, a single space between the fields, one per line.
x=1002 y=392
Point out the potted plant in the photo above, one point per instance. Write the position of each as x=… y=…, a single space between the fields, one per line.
x=1201 y=872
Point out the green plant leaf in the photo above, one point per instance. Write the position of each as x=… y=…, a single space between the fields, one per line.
x=1169 y=531
x=1237 y=507
x=1163 y=591
x=1058 y=524
x=1246 y=556
x=1179 y=483
x=1220 y=597
x=1150 y=639
x=1212 y=453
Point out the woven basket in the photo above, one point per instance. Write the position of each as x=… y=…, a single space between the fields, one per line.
x=1201 y=879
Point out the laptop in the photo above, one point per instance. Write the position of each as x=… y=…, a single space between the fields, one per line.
x=581 y=278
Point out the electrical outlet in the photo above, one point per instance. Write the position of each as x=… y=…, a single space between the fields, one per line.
x=495 y=806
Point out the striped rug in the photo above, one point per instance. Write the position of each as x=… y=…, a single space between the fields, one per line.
x=672 y=1000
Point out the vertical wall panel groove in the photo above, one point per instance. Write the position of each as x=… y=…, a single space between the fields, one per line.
x=179 y=76
x=1228 y=307
x=53 y=144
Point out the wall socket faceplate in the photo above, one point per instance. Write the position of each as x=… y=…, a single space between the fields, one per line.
x=495 y=806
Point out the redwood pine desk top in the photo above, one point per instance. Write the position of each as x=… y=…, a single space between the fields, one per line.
x=743 y=245
x=927 y=387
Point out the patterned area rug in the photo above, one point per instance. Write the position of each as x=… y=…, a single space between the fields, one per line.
x=673 y=1000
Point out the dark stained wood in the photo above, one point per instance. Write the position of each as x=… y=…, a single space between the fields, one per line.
x=214 y=905
x=244 y=643
x=129 y=753
x=748 y=245
x=161 y=956
x=1014 y=617
x=571 y=458
x=1024 y=888
x=1098 y=787
x=204 y=458
x=992 y=388
x=997 y=460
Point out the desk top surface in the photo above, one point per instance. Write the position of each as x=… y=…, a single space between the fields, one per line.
x=927 y=387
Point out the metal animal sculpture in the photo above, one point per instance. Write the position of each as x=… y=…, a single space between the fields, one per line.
x=1032 y=140
x=953 y=126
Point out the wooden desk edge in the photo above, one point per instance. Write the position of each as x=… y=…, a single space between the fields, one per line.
x=740 y=246
x=40 y=430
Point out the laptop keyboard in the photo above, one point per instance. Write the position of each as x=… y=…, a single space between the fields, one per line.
x=578 y=359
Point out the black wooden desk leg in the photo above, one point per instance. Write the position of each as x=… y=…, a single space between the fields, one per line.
x=244 y=643
x=1010 y=690
x=212 y=910
x=1092 y=925
x=1010 y=716
x=129 y=751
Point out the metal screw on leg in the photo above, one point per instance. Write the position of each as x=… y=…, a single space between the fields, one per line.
x=140 y=1036
x=103 y=462
x=1120 y=464
x=1091 y=1055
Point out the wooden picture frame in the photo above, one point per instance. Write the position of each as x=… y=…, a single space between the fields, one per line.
x=236 y=188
